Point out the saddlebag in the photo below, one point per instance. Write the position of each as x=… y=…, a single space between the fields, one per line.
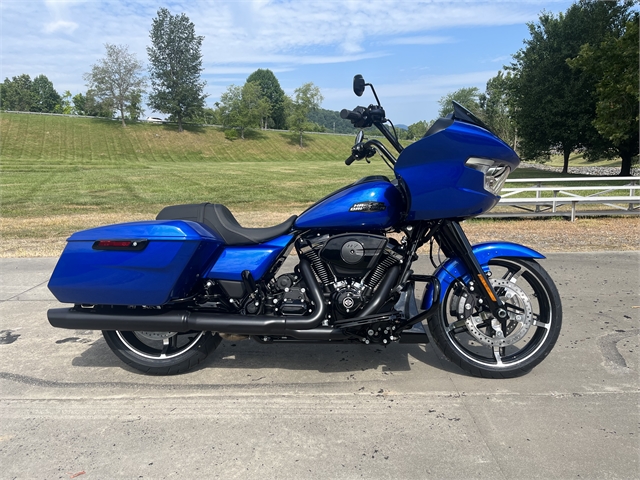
x=140 y=263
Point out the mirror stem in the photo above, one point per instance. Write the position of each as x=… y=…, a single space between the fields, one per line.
x=374 y=92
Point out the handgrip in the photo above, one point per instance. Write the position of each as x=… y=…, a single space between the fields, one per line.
x=350 y=160
x=350 y=115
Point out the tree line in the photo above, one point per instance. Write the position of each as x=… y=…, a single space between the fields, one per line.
x=573 y=87
x=116 y=84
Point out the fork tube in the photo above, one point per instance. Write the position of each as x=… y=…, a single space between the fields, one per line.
x=455 y=240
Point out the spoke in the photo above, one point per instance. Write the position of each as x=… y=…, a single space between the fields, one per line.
x=513 y=275
x=537 y=323
x=497 y=355
x=455 y=325
x=510 y=307
x=165 y=347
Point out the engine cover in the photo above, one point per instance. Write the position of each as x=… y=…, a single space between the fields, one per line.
x=353 y=255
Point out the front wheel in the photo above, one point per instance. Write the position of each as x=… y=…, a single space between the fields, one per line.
x=161 y=353
x=470 y=337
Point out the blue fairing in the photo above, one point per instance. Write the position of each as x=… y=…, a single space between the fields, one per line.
x=333 y=212
x=484 y=252
x=439 y=183
x=257 y=259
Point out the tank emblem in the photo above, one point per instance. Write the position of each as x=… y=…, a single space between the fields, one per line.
x=368 y=207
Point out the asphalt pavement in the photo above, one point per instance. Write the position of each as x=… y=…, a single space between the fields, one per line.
x=70 y=408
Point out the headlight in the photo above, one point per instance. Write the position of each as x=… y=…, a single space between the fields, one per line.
x=495 y=173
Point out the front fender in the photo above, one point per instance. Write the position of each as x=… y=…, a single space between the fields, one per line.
x=453 y=268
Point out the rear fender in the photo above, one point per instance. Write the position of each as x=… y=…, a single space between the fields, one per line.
x=454 y=269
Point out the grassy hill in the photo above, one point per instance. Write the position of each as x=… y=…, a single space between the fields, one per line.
x=60 y=175
x=59 y=165
x=53 y=165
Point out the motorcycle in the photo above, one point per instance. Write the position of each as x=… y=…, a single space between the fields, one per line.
x=166 y=292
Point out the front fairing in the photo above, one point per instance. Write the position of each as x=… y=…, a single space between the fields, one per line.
x=439 y=183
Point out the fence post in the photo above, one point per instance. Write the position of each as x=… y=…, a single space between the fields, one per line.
x=632 y=192
x=538 y=195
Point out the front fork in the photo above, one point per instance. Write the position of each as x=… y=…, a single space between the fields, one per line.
x=454 y=244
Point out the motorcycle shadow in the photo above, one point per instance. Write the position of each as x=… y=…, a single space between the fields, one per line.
x=325 y=358
x=97 y=355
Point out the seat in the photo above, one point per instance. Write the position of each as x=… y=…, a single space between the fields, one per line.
x=221 y=220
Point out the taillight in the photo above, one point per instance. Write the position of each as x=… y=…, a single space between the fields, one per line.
x=126 y=245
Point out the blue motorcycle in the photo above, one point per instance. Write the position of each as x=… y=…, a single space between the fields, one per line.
x=166 y=292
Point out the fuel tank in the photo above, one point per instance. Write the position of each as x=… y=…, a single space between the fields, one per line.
x=371 y=203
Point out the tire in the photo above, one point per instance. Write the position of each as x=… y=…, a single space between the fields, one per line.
x=535 y=319
x=161 y=353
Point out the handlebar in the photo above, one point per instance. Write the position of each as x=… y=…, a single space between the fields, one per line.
x=368 y=149
x=363 y=117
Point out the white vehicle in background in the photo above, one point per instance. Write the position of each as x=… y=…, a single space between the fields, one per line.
x=154 y=120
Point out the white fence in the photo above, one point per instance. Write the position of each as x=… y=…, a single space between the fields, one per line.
x=553 y=199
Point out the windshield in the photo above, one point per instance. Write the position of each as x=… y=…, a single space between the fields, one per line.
x=465 y=115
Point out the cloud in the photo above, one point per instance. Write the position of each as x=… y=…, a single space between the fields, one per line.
x=303 y=40
x=422 y=40
x=60 y=25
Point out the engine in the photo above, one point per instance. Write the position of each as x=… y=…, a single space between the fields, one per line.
x=350 y=266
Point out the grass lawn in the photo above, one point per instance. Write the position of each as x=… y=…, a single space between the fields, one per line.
x=578 y=160
x=57 y=165
x=60 y=175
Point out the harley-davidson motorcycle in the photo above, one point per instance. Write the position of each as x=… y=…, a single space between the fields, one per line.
x=166 y=292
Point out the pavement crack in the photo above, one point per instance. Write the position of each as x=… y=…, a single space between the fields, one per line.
x=26 y=291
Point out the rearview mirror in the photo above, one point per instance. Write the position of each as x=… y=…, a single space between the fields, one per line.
x=358 y=85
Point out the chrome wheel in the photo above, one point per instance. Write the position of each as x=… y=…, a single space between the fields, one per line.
x=162 y=353
x=471 y=337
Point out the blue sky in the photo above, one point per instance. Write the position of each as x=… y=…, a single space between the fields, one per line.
x=414 y=52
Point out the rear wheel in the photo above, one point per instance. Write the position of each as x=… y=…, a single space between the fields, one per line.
x=161 y=353
x=473 y=339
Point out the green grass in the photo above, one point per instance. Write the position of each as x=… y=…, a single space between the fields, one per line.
x=59 y=166
x=578 y=160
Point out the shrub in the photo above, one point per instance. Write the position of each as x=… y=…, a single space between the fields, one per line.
x=231 y=134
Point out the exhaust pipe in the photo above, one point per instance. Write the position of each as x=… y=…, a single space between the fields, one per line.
x=304 y=328
x=184 y=320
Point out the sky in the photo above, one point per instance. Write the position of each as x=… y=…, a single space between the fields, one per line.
x=413 y=52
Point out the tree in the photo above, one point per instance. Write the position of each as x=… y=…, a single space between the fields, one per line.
x=79 y=102
x=134 y=109
x=46 y=99
x=243 y=107
x=17 y=94
x=65 y=106
x=614 y=64
x=95 y=107
x=116 y=78
x=306 y=98
x=417 y=130
x=554 y=105
x=275 y=96
x=467 y=97
x=496 y=107
x=175 y=67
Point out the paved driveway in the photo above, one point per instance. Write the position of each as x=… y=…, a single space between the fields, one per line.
x=68 y=405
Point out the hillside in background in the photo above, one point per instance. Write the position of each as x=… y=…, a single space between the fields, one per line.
x=59 y=165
